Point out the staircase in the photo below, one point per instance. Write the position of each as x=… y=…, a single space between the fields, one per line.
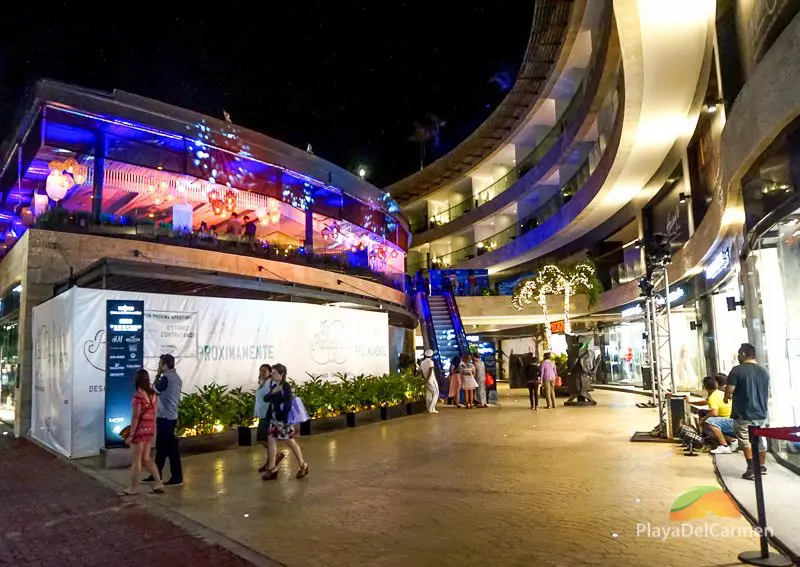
x=446 y=338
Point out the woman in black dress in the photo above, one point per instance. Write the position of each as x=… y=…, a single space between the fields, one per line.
x=279 y=400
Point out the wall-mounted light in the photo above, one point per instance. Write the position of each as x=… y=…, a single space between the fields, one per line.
x=17 y=288
x=682 y=198
x=711 y=106
x=638 y=244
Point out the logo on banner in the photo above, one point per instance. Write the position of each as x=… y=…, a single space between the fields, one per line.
x=330 y=344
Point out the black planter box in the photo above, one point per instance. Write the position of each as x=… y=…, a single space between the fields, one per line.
x=197 y=444
x=245 y=435
x=315 y=426
x=393 y=412
x=413 y=408
x=362 y=417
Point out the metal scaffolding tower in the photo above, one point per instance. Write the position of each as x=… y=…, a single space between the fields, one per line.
x=660 y=349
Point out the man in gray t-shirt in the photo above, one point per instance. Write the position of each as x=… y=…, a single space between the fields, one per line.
x=168 y=386
x=748 y=384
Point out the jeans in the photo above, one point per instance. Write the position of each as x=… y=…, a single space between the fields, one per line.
x=724 y=424
x=533 y=393
x=167 y=448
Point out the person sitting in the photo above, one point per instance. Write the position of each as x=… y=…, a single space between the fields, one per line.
x=717 y=420
x=203 y=231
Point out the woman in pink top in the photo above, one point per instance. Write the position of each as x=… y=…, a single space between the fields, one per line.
x=454 y=392
x=548 y=373
x=142 y=431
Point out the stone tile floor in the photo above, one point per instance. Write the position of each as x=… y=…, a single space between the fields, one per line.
x=54 y=515
x=499 y=486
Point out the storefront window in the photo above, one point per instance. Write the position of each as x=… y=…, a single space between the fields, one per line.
x=775 y=267
x=8 y=370
x=729 y=328
x=625 y=352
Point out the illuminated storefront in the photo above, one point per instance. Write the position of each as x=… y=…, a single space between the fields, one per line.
x=625 y=343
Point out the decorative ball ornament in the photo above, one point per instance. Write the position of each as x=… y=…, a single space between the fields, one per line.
x=57 y=185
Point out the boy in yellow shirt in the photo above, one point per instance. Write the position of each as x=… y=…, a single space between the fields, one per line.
x=718 y=420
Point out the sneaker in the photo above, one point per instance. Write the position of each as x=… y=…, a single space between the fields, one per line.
x=734 y=445
x=748 y=474
x=435 y=411
x=722 y=450
x=149 y=479
x=173 y=482
x=763 y=470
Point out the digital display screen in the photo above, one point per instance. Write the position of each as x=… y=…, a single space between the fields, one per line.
x=124 y=356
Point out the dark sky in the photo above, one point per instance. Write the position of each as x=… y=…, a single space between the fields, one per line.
x=350 y=77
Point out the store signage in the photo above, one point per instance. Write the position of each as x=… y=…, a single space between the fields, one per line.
x=719 y=264
x=557 y=327
x=124 y=356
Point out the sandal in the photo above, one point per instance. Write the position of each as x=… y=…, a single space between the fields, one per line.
x=127 y=492
x=278 y=460
x=270 y=475
x=157 y=490
x=303 y=471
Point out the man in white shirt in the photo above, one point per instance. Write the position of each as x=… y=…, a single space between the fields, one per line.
x=426 y=367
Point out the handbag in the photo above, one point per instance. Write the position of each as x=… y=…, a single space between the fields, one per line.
x=297 y=413
x=489 y=379
x=558 y=382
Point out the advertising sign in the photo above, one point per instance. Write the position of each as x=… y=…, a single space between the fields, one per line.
x=124 y=356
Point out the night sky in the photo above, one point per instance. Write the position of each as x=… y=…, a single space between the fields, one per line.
x=351 y=78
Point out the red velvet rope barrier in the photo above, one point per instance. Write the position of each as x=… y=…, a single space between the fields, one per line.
x=785 y=433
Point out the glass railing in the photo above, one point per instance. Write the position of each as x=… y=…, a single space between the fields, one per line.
x=344 y=262
x=607 y=116
x=421 y=223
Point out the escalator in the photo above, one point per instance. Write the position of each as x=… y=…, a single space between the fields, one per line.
x=442 y=332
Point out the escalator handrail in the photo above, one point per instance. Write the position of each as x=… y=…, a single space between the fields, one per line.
x=427 y=321
x=455 y=316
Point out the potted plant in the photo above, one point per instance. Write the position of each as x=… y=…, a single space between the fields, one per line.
x=319 y=396
x=242 y=404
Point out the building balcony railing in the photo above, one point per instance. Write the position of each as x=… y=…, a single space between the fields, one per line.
x=549 y=207
x=346 y=262
x=422 y=222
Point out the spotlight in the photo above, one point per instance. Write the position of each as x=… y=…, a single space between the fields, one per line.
x=711 y=107
x=682 y=198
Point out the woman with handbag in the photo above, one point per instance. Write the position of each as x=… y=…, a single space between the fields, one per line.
x=454 y=393
x=260 y=411
x=142 y=431
x=279 y=406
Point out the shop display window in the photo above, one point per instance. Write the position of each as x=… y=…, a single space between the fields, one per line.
x=774 y=270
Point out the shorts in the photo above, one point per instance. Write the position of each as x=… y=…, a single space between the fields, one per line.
x=742 y=432
x=724 y=424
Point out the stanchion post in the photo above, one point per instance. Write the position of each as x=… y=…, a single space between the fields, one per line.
x=762 y=557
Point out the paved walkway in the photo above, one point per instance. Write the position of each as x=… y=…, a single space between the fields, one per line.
x=54 y=515
x=781 y=487
x=500 y=486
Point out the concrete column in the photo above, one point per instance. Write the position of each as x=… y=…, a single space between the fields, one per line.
x=309 y=242
x=97 y=186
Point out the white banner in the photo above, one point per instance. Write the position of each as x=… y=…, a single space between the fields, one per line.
x=217 y=340
x=51 y=404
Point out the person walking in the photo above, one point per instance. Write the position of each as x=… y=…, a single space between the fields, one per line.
x=168 y=386
x=480 y=378
x=547 y=374
x=432 y=385
x=468 y=382
x=533 y=378
x=748 y=385
x=260 y=412
x=279 y=400
x=140 y=437
x=454 y=393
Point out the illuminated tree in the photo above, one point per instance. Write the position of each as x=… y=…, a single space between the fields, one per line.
x=546 y=282
x=576 y=280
